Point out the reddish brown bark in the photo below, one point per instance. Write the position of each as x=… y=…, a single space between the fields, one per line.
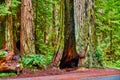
x=7 y=63
x=9 y=30
x=69 y=57
x=82 y=57
x=27 y=45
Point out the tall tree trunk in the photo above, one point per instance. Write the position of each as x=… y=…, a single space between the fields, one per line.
x=1 y=35
x=81 y=30
x=58 y=32
x=111 y=41
x=55 y=28
x=2 y=32
x=69 y=57
x=36 y=21
x=56 y=38
x=16 y=30
x=9 y=29
x=85 y=33
x=91 y=60
x=27 y=45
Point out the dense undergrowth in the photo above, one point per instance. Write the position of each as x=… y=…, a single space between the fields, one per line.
x=35 y=61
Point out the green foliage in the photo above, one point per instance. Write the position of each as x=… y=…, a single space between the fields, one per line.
x=99 y=54
x=43 y=18
x=7 y=74
x=48 y=58
x=108 y=29
x=2 y=54
x=111 y=65
x=15 y=4
x=36 y=60
x=4 y=10
x=32 y=60
x=44 y=26
x=118 y=63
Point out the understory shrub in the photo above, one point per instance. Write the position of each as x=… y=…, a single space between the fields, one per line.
x=2 y=54
x=4 y=74
x=36 y=60
x=99 y=54
x=32 y=60
x=118 y=63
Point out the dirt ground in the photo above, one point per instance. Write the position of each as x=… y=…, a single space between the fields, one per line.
x=78 y=72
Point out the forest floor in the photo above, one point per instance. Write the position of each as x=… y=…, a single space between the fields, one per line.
x=65 y=74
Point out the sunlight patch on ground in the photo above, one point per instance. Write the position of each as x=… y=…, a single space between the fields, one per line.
x=81 y=69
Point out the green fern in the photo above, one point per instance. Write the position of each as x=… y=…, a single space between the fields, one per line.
x=2 y=54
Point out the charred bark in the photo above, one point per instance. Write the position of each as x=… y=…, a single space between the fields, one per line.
x=69 y=57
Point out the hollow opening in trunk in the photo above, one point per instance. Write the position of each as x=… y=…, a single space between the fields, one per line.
x=18 y=45
x=66 y=63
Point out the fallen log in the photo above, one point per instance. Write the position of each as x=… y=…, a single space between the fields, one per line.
x=7 y=63
x=10 y=66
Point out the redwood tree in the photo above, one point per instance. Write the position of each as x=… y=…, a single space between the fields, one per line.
x=80 y=39
x=26 y=34
x=91 y=60
x=86 y=40
x=9 y=29
x=69 y=57
x=81 y=30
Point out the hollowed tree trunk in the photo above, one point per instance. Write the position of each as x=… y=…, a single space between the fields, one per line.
x=69 y=57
